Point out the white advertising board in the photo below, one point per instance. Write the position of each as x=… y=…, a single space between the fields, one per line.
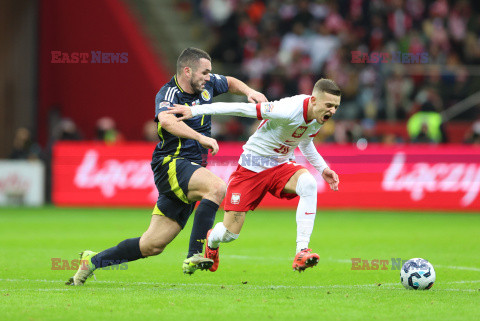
x=22 y=182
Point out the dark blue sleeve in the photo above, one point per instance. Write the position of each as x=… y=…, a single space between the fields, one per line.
x=220 y=84
x=165 y=98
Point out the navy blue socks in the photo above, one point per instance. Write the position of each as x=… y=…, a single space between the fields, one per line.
x=203 y=221
x=126 y=251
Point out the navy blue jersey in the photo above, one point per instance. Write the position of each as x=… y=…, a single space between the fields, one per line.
x=171 y=93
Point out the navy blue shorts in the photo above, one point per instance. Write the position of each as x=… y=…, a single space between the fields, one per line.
x=172 y=175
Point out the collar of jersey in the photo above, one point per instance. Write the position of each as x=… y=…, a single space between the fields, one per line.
x=305 y=110
x=176 y=83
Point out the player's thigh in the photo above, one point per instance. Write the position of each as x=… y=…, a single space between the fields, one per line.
x=204 y=182
x=291 y=186
x=233 y=221
x=160 y=233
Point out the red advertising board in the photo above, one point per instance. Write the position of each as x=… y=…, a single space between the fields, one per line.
x=377 y=177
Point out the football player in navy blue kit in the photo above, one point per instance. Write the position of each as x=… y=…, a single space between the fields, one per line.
x=178 y=164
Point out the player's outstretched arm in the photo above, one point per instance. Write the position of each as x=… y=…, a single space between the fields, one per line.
x=238 y=87
x=180 y=129
x=233 y=109
x=310 y=152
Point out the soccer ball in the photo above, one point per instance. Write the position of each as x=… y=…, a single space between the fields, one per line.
x=417 y=274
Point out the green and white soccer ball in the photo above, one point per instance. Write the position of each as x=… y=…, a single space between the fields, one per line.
x=417 y=274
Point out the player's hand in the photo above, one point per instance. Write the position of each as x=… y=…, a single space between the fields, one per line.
x=209 y=143
x=185 y=111
x=331 y=178
x=256 y=97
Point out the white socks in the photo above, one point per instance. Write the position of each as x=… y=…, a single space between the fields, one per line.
x=306 y=209
x=220 y=234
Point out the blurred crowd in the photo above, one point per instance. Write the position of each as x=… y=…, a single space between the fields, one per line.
x=283 y=47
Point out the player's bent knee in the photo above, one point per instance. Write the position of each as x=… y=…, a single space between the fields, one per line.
x=152 y=249
x=155 y=250
x=306 y=185
x=217 y=190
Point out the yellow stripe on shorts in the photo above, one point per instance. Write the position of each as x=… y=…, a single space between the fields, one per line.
x=172 y=179
x=156 y=211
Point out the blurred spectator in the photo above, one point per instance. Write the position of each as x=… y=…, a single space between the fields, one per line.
x=425 y=126
x=473 y=136
x=107 y=132
x=303 y=15
x=322 y=44
x=263 y=63
x=150 y=131
x=334 y=21
x=256 y=10
x=391 y=139
x=399 y=21
x=368 y=96
x=398 y=92
x=66 y=129
x=216 y=12
x=24 y=147
x=274 y=87
x=293 y=42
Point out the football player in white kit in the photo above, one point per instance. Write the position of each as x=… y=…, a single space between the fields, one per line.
x=266 y=164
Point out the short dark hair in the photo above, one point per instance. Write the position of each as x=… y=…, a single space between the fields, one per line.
x=328 y=86
x=190 y=58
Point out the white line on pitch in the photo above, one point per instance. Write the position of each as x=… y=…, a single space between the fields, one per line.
x=391 y=285
x=246 y=257
x=468 y=268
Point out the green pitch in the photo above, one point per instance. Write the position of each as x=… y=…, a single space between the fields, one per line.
x=255 y=280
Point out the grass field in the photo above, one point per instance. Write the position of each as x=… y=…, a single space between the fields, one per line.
x=254 y=281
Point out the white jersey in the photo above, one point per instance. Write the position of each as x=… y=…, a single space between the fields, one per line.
x=284 y=127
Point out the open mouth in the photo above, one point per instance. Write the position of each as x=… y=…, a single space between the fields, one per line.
x=326 y=117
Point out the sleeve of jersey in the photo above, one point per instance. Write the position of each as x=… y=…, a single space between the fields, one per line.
x=220 y=84
x=275 y=110
x=310 y=152
x=233 y=109
x=164 y=99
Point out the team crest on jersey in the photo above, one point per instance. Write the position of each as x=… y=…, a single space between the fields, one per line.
x=235 y=198
x=268 y=107
x=205 y=95
x=299 y=131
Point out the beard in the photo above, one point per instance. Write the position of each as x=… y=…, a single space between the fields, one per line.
x=197 y=88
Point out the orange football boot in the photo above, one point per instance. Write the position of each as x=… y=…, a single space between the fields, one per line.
x=305 y=259
x=212 y=254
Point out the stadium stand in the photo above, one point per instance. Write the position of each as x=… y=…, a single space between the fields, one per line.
x=430 y=50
